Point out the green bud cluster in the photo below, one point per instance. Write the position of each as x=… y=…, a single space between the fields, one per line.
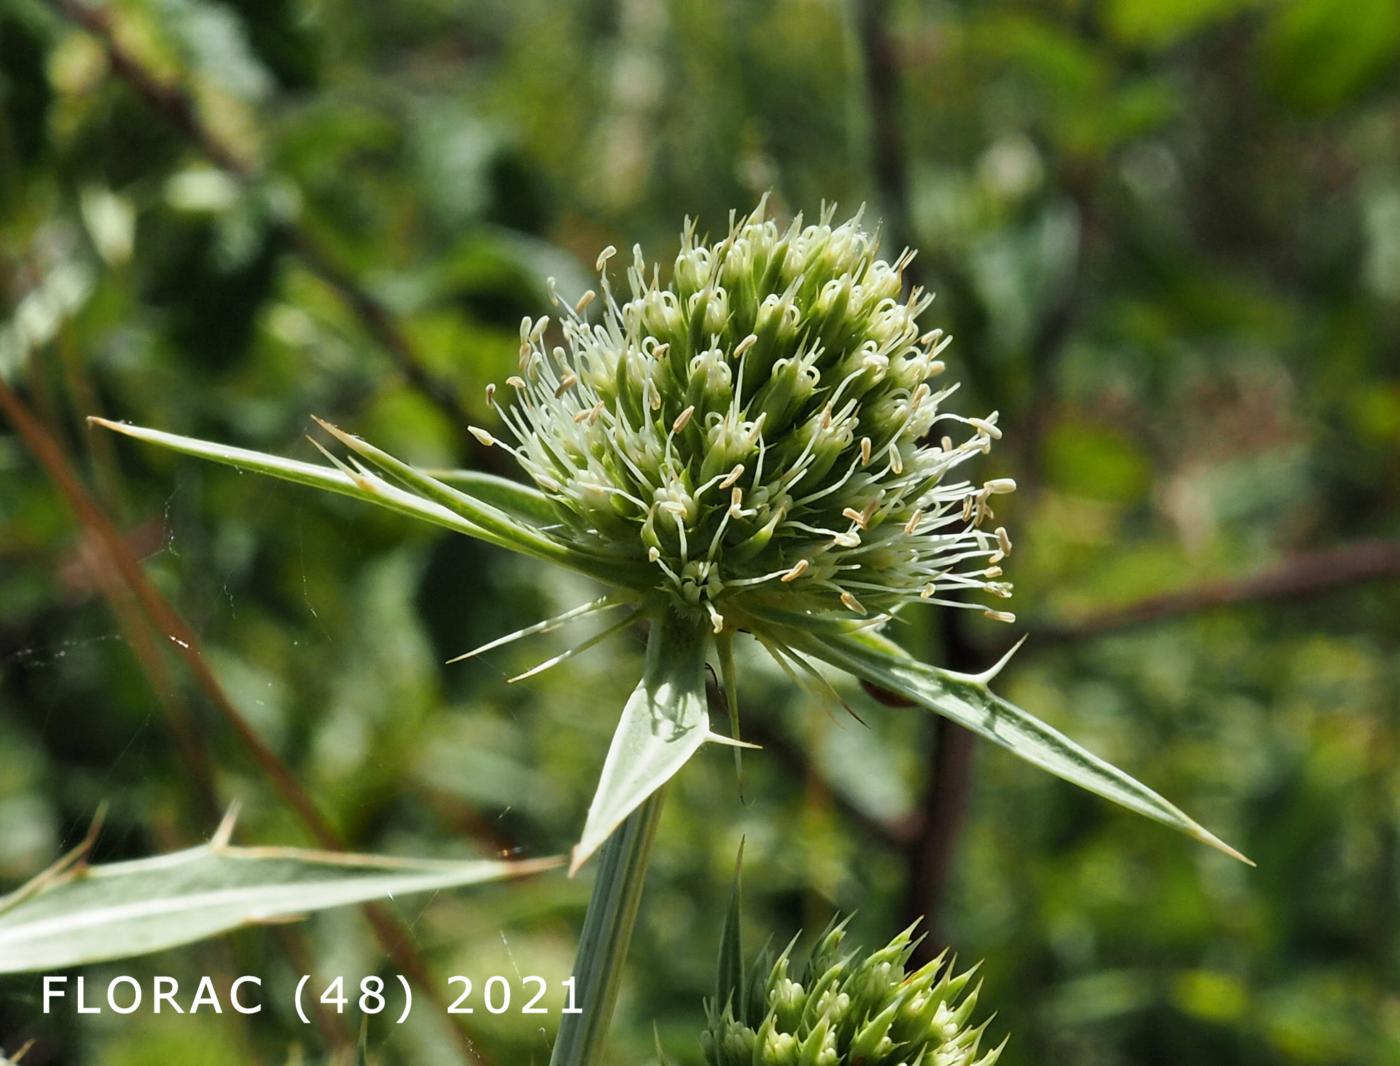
x=849 y=1009
x=765 y=424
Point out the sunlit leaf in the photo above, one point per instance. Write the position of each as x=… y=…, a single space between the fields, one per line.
x=1163 y=22
x=473 y=517
x=663 y=724
x=523 y=501
x=1317 y=54
x=970 y=703
x=512 y=530
x=84 y=914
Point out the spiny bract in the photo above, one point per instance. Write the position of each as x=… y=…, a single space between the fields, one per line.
x=763 y=426
x=849 y=1010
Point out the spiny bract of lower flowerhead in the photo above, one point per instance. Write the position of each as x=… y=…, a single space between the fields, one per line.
x=766 y=424
x=845 y=1009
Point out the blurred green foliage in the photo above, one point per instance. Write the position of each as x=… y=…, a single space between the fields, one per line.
x=1166 y=234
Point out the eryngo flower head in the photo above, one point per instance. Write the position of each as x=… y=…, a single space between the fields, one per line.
x=768 y=425
x=760 y=445
x=847 y=1008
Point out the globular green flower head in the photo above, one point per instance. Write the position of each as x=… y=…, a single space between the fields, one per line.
x=847 y=1008
x=764 y=425
x=753 y=440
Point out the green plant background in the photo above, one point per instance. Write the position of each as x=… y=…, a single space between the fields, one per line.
x=1166 y=235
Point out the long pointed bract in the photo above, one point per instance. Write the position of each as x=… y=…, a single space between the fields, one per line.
x=972 y=705
x=511 y=529
x=584 y=645
x=729 y=681
x=663 y=724
x=527 y=540
x=602 y=603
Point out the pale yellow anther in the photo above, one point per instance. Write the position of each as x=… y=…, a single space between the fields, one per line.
x=799 y=568
x=603 y=257
x=583 y=301
x=852 y=603
x=986 y=427
x=912 y=526
x=482 y=435
x=683 y=419
x=866 y=448
x=567 y=382
x=515 y=382
x=490 y=393
x=591 y=414
x=855 y=516
x=1000 y=616
x=733 y=476
x=999 y=486
x=745 y=344
x=1004 y=540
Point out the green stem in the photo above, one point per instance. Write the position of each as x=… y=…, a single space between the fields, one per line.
x=607 y=932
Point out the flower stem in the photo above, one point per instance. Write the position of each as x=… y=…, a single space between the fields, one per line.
x=607 y=932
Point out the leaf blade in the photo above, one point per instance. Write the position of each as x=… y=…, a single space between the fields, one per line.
x=344 y=482
x=510 y=529
x=970 y=703
x=730 y=993
x=523 y=501
x=97 y=913
x=664 y=723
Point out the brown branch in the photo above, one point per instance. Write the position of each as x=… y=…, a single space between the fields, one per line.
x=929 y=849
x=1307 y=574
x=389 y=929
x=169 y=100
x=189 y=739
x=891 y=171
x=179 y=109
